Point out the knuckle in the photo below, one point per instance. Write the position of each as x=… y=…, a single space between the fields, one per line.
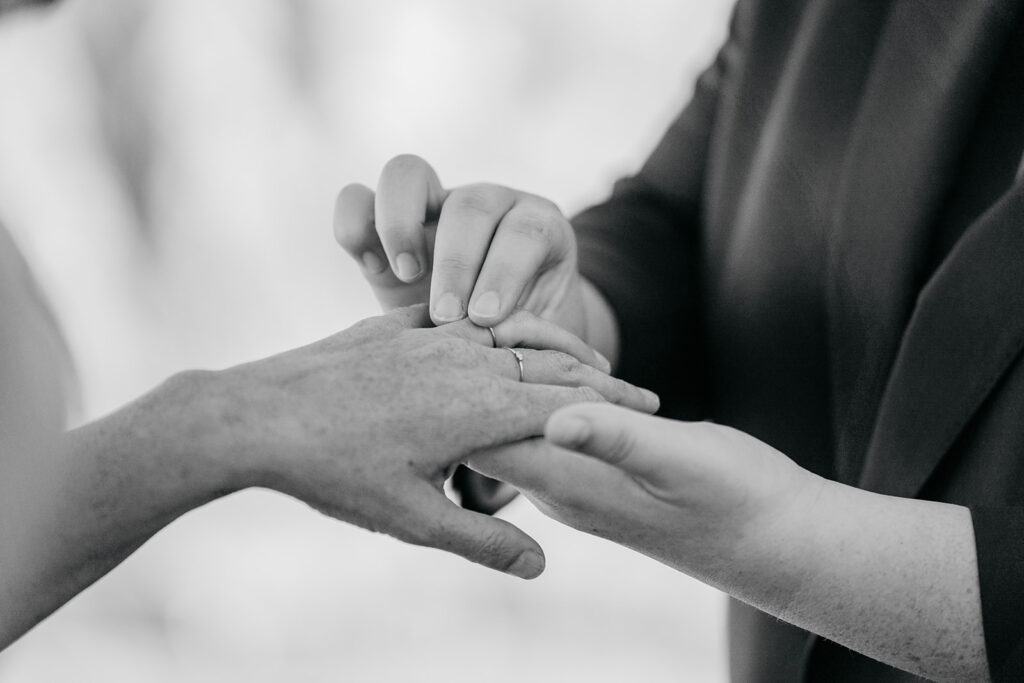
x=490 y=550
x=524 y=321
x=539 y=226
x=478 y=199
x=588 y=395
x=620 y=446
x=563 y=363
x=404 y=164
x=394 y=227
x=492 y=390
x=417 y=534
x=453 y=262
x=368 y=327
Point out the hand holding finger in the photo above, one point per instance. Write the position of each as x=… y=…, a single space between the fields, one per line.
x=531 y=238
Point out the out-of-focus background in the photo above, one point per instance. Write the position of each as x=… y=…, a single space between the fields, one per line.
x=169 y=168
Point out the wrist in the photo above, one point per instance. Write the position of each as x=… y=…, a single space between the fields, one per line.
x=181 y=428
x=779 y=545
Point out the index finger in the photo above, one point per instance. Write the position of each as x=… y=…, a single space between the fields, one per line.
x=409 y=194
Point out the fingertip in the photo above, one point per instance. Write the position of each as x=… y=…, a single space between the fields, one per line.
x=568 y=430
x=485 y=308
x=529 y=565
x=603 y=364
x=652 y=400
x=407 y=267
x=448 y=308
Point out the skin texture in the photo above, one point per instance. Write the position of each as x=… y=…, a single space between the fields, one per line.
x=351 y=425
x=479 y=252
x=895 y=579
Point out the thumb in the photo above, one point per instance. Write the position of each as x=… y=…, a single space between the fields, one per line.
x=631 y=441
x=480 y=538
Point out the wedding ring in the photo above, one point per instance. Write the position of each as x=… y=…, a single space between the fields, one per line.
x=519 y=360
x=494 y=337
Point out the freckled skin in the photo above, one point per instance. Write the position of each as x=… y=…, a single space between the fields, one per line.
x=364 y=426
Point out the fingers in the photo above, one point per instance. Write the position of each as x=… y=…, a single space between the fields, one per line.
x=632 y=442
x=530 y=464
x=553 y=367
x=408 y=195
x=524 y=329
x=527 y=330
x=464 y=231
x=531 y=236
x=479 y=538
x=554 y=476
x=355 y=232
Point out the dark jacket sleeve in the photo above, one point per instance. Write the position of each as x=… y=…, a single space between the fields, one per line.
x=640 y=247
x=998 y=533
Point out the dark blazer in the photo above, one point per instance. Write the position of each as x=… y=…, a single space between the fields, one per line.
x=827 y=251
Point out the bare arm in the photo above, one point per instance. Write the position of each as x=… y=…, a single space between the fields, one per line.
x=895 y=579
x=351 y=425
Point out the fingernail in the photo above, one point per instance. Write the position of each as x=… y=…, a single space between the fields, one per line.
x=373 y=263
x=408 y=267
x=606 y=364
x=569 y=431
x=529 y=565
x=448 y=308
x=487 y=305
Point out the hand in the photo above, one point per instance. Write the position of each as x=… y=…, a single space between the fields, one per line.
x=699 y=497
x=893 y=578
x=482 y=250
x=367 y=425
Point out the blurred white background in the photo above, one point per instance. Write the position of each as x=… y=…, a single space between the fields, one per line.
x=169 y=169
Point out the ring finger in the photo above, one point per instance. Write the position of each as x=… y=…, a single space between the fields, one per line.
x=561 y=369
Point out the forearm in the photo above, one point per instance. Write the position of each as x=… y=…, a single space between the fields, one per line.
x=110 y=486
x=895 y=579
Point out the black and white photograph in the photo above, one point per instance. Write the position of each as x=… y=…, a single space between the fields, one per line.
x=462 y=341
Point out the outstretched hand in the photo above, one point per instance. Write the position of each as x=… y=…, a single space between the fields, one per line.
x=893 y=578
x=692 y=495
x=367 y=425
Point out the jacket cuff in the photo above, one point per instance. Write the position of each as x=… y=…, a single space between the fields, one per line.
x=999 y=537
